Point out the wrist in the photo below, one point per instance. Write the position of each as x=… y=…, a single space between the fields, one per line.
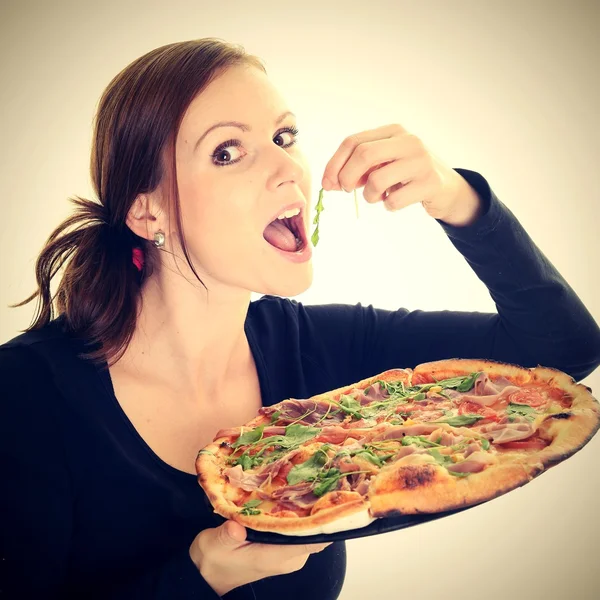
x=468 y=207
x=196 y=556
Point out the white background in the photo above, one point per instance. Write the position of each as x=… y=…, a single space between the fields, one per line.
x=509 y=89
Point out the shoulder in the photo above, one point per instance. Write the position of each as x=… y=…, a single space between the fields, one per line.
x=24 y=354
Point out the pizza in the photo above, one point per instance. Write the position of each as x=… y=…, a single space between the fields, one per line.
x=445 y=435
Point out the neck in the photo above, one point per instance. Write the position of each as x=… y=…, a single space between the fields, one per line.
x=188 y=337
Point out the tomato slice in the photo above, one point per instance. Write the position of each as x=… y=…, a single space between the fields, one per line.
x=528 y=444
x=531 y=396
x=419 y=378
x=489 y=414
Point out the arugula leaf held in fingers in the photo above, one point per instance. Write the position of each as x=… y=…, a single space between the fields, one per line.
x=319 y=208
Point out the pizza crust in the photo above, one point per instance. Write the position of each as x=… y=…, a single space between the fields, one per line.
x=429 y=488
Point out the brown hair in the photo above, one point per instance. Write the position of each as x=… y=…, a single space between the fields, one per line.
x=136 y=125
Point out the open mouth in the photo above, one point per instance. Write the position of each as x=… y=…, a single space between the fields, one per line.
x=287 y=234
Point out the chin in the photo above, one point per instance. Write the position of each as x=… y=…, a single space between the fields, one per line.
x=293 y=282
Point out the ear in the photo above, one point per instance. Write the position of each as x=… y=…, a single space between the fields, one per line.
x=144 y=217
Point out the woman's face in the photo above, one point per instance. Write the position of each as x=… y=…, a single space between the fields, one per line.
x=231 y=190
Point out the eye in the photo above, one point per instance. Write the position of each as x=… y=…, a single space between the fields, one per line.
x=222 y=157
x=292 y=130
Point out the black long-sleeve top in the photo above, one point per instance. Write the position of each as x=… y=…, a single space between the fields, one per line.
x=89 y=510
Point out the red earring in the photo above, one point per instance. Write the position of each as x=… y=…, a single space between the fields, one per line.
x=138 y=258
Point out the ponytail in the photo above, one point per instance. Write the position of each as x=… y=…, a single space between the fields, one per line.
x=99 y=290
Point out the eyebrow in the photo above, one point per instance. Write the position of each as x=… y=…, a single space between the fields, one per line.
x=242 y=126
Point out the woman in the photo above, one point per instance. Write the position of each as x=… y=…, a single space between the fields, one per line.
x=157 y=345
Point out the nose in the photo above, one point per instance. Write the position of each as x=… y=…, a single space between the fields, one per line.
x=283 y=167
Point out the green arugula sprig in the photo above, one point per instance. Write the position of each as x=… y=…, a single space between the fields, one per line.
x=314 y=470
x=523 y=410
x=460 y=420
x=250 y=507
x=295 y=435
x=319 y=208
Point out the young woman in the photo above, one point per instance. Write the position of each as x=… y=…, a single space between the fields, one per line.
x=151 y=344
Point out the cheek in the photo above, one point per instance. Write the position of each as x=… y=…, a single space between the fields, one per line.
x=218 y=237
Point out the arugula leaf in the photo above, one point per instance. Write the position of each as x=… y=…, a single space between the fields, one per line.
x=249 y=437
x=308 y=470
x=245 y=460
x=442 y=459
x=460 y=420
x=457 y=474
x=349 y=405
x=393 y=389
x=485 y=443
x=462 y=383
x=250 y=507
x=417 y=440
x=468 y=383
x=350 y=402
x=524 y=410
x=371 y=457
x=295 y=435
x=328 y=482
x=206 y=452
x=275 y=416
x=319 y=208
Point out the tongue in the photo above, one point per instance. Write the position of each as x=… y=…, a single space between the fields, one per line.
x=278 y=235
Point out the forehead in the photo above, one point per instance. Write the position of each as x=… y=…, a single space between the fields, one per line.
x=241 y=93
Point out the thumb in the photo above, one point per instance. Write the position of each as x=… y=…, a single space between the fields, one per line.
x=231 y=533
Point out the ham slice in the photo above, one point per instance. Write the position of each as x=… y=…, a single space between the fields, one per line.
x=356 y=480
x=276 y=466
x=476 y=462
x=291 y=492
x=247 y=481
x=500 y=433
x=298 y=496
x=486 y=393
x=444 y=438
x=493 y=398
x=399 y=431
x=293 y=409
x=362 y=487
x=332 y=435
x=376 y=392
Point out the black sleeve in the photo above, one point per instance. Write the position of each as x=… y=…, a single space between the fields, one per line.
x=540 y=319
x=36 y=518
x=176 y=579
